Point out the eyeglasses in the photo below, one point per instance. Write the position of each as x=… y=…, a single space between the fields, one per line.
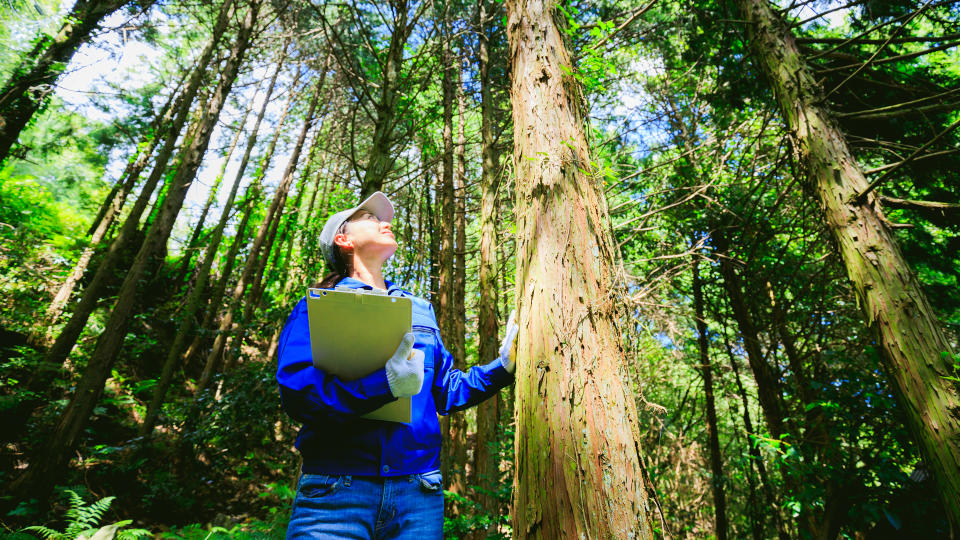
x=365 y=216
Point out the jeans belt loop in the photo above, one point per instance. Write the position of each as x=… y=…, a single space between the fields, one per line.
x=346 y=481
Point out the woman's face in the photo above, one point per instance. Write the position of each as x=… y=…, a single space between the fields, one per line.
x=367 y=236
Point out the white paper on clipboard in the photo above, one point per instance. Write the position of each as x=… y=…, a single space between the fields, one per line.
x=354 y=332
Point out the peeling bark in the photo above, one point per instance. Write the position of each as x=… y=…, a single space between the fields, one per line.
x=579 y=469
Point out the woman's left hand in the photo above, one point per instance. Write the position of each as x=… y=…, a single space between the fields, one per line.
x=507 y=353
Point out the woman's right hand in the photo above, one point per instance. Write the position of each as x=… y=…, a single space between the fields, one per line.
x=405 y=369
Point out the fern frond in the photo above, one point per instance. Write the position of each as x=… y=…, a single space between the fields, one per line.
x=89 y=517
x=76 y=505
x=99 y=508
x=47 y=533
x=133 y=534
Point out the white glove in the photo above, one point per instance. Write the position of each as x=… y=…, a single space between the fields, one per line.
x=405 y=369
x=507 y=345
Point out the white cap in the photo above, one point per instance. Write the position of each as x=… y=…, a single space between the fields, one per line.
x=378 y=204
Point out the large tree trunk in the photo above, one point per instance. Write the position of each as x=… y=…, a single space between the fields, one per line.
x=68 y=336
x=195 y=299
x=31 y=83
x=917 y=357
x=716 y=467
x=381 y=158
x=90 y=386
x=579 y=465
x=486 y=465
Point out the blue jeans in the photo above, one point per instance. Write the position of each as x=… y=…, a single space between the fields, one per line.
x=367 y=508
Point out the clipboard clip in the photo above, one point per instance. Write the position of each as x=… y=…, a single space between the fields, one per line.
x=317 y=293
x=347 y=288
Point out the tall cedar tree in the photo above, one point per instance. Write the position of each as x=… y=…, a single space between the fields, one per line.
x=454 y=425
x=917 y=352
x=579 y=470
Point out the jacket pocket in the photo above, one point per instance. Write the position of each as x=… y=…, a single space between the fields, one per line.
x=426 y=340
x=431 y=482
x=313 y=486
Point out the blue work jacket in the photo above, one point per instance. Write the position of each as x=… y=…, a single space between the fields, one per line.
x=334 y=439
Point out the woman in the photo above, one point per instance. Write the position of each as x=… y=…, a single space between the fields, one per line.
x=368 y=478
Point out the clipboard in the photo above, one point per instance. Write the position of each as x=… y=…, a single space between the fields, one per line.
x=353 y=332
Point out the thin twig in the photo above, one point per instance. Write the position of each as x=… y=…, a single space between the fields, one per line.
x=860 y=197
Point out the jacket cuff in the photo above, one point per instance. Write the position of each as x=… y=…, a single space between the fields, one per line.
x=375 y=385
x=500 y=375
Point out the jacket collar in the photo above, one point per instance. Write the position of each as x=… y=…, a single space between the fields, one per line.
x=357 y=284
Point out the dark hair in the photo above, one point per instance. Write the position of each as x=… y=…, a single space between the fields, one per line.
x=342 y=265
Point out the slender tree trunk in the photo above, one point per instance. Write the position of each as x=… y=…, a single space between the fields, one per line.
x=215 y=356
x=253 y=259
x=816 y=432
x=110 y=209
x=192 y=244
x=251 y=199
x=716 y=467
x=769 y=392
x=31 y=83
x=90 y=386
x=768 y=386
x=433 y=218
x=195 y=299
x=252 y=301
x=457 y=442
x=291 y=272
x=260 y=284
x=917 y=357
x=451 y=425
x=755 y=455
x=755 y=511
x=381 y=158
x=578 y=457
x=460 y=256
x=283 y=262
x=486 y=464
x=68 y=336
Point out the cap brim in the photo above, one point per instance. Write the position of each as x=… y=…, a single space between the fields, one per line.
x=379 y=205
